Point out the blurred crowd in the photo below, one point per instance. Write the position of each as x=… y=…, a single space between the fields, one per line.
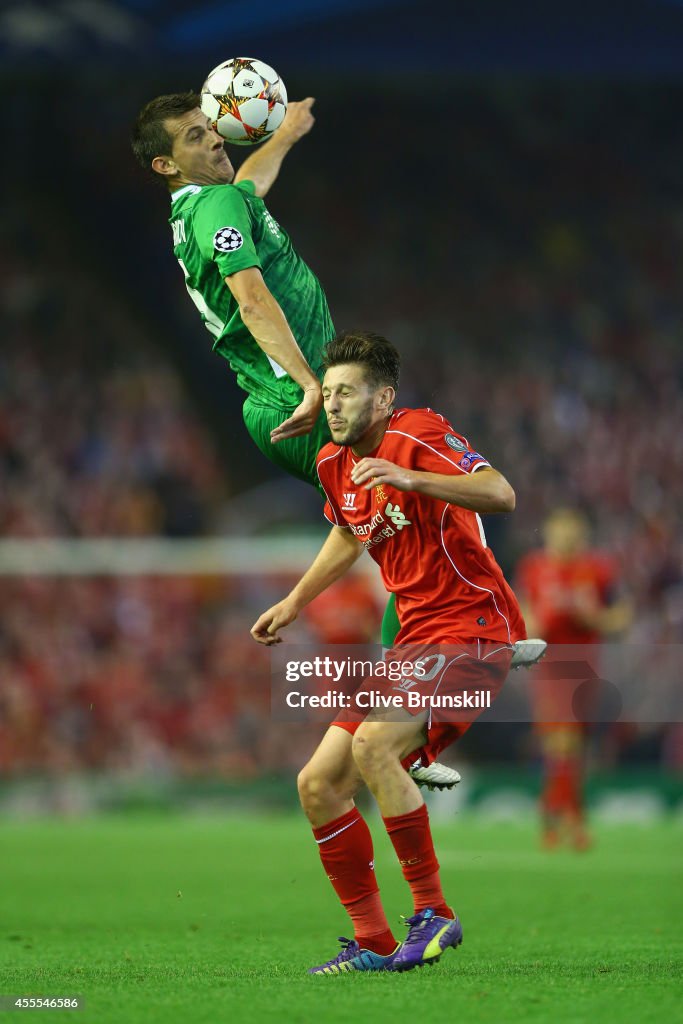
x=97 y=435
x=529 y=268
x=155 y=676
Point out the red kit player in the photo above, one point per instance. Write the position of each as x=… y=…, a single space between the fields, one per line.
x=567 y=591
x=403 y=485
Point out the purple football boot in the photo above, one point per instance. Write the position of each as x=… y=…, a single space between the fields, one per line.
x=428 y=937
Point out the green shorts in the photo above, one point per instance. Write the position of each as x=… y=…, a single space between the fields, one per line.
x=296 y=455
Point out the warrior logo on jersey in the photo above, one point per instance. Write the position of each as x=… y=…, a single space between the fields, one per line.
x=227 y=240
x=455 y=443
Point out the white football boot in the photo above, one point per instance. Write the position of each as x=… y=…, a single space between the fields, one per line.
x=434 y=776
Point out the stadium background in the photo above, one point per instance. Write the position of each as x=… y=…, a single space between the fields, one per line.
x=496 y=191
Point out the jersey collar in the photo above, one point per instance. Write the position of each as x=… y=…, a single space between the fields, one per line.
x=185 y=190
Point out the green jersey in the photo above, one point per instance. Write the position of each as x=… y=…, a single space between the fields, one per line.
x=221 y=229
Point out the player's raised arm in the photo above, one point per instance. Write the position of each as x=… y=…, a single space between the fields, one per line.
x=336 y=556
x=264 y=319
x=263 y=166
x=486 y=490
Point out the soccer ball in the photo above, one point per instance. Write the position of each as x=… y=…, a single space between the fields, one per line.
x=245 y=99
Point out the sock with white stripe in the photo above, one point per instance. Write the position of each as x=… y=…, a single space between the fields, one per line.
x=346 y=852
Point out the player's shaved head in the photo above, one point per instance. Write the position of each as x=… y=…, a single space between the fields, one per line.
x=151 y=136
x=379 y=359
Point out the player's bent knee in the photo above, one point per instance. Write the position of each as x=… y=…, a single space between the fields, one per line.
x=309 y=784
x=318 y=792
x=313 y=794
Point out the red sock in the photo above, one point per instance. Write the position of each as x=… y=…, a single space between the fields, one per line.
x=412 y=839
x=573 y=788
x=562 y=787
x=552 y=798
x=346 y=852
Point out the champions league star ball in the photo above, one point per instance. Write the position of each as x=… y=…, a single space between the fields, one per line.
x=245 y=99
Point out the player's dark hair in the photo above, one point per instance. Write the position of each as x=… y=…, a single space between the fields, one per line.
x=377 y=356
x=150 y=136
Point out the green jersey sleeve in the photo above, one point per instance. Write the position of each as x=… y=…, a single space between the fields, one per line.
x=223 y=228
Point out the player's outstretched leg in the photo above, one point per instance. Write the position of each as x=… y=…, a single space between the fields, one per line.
x=440 y=776
x=433 y=776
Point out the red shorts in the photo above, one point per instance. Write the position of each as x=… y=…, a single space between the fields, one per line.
x=456 y=684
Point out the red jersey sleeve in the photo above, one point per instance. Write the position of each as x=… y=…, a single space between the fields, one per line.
x=439 y=449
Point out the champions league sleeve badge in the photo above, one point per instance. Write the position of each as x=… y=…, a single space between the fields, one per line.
x=227 y=240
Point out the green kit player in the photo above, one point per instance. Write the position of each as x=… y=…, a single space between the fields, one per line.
x=262 y=304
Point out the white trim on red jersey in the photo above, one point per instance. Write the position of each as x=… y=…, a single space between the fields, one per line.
x=469 y=582
x=445 y=669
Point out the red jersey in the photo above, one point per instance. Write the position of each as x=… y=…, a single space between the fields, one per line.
x=432 y=555
x=555 y=587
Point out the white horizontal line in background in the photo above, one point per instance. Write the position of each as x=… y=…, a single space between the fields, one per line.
x=157 y=556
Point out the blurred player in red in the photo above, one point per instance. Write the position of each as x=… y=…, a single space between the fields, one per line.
x=345 y=613
x=403 y=485
x=567 y=591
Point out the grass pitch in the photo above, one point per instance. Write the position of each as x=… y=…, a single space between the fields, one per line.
x=205 y=920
